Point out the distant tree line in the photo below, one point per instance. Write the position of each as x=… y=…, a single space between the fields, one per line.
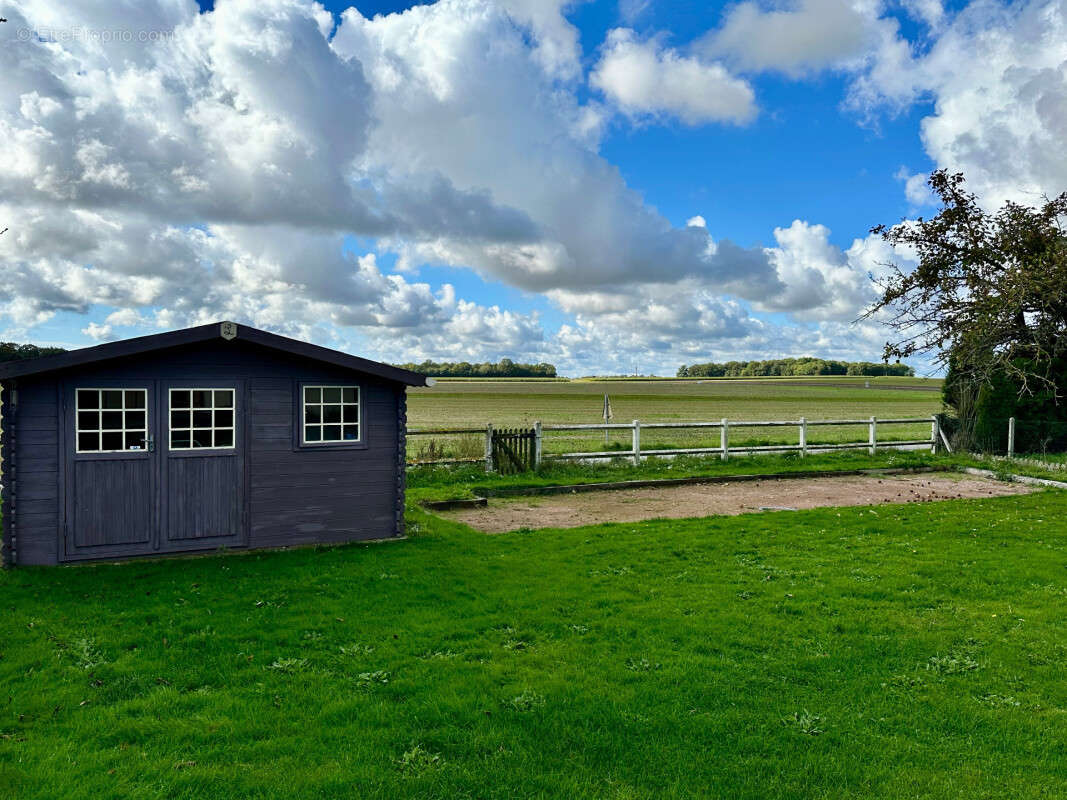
x=505 y=368
x=12 y=351
x=786 y=367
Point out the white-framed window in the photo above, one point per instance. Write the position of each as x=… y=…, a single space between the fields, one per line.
x=330 y=415
x=111 y=420
x=202 y=419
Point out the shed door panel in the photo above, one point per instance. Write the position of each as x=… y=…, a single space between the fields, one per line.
x=202 y=464
x=112 y=502
x=203 y=498
x=110 y=468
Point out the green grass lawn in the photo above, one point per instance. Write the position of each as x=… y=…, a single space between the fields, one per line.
x=472 y=404
x=898 y=651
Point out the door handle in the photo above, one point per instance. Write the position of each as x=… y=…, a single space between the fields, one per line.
x=149 y=443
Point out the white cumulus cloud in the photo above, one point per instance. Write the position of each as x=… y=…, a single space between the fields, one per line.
x=997 y=76
x=794 y=38
x=644 y=78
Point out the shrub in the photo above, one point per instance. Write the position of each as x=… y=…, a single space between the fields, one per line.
x=983 y=413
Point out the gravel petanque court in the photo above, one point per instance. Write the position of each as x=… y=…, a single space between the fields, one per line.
x=711 y=499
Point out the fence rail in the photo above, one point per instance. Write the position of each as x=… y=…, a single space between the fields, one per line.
x=494 y=454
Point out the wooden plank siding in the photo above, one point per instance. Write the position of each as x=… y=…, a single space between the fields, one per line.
x=35 y=491
x=320 y=494
x=195 y=508
x=290 y=494
x=6 y=474
x=110 y=503
x=401 y=461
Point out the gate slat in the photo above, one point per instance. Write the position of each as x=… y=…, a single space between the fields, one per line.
x=512 y=450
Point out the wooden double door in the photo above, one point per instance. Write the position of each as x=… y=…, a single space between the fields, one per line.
x=152 y=467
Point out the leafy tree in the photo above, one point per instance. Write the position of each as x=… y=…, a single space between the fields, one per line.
x=989 y=298
x=12 y=351
x=989 y=291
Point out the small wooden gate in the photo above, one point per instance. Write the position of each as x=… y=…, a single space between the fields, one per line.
x=513 y=450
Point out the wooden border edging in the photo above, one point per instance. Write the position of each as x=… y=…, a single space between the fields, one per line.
x=1026 y=479
x=520 y=491
x=450 y=505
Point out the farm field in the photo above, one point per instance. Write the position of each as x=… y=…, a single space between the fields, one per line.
x=889 y=651
x=471 y=404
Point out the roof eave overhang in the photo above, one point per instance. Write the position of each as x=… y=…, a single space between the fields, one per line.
x=225 y=331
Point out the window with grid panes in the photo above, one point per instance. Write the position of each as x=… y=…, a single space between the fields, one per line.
x=201 y=419
x=331 y=414
x=111 y=420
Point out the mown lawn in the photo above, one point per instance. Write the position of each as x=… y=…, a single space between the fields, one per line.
x=900 y=651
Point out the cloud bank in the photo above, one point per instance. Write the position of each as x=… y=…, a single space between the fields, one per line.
x=270 y=163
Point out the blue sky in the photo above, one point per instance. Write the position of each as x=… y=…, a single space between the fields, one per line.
x=597 y=184
x=804 y=157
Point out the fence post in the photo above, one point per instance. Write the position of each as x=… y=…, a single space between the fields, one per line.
x=1011 y=437
x=637 y=443
x=489 y=447
x=537 y=445
x=803 y=437
x=724 y=439
x=935 y=433
x=874 y=436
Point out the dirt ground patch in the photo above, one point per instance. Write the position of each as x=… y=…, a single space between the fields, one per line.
x=704 y=500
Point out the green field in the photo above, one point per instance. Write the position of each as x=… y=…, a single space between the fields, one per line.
x=469 y=404
x=897 y=651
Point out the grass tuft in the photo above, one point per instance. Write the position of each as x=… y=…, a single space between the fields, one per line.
x=526 y=701
x=418 y=760
x=289 y=665
x=952 y=664
x=804 y=722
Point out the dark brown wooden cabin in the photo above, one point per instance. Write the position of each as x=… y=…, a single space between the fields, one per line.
x=216 y=436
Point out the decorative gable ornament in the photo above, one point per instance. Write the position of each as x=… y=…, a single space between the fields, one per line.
x=228 y=330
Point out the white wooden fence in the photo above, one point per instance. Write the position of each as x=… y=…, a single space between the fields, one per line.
x=935 y=441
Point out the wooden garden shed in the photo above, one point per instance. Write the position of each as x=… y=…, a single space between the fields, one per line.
x=216 y=436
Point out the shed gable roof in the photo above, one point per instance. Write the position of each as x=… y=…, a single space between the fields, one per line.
x=222 y=331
